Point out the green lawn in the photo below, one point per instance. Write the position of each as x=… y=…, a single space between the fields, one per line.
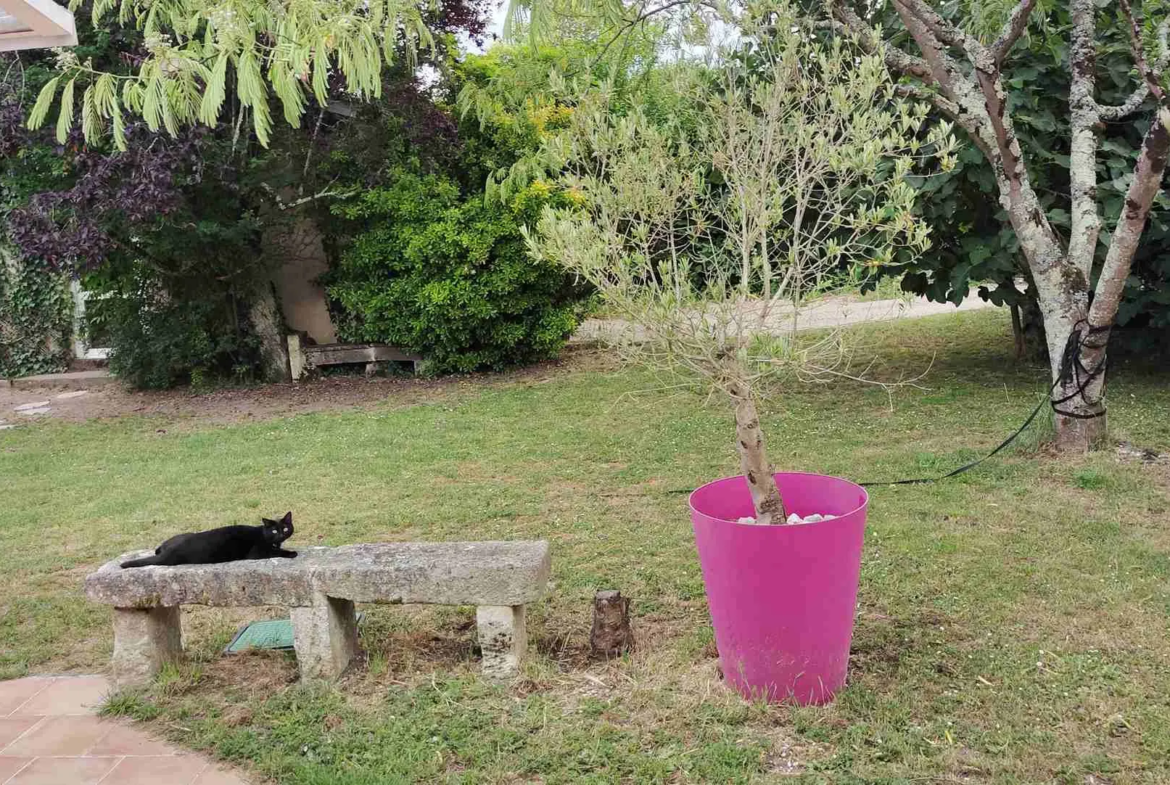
x=1014 y=624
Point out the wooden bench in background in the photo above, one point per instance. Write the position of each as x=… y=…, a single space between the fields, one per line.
x=320 y=587
x=304 y=357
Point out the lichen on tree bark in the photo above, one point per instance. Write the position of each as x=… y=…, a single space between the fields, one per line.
x=973 y=95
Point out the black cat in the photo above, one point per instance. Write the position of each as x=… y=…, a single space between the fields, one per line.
x=230 y=543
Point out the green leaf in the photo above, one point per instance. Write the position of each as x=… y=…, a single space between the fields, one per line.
x=215 y=92
x=40 y=110
x=91 y=125
x=262 y=122
x=166 y=101
x=321 y=74
x=100 y=7
x=119 y=128
x=253 y=94
x=288 y=90
x=151 y=110
x=65 y=118
x=105 y=95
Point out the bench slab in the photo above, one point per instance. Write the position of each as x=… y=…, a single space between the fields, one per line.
x=408 y=573
x=320 y=587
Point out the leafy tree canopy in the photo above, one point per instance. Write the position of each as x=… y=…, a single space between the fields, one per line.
x=196 y=50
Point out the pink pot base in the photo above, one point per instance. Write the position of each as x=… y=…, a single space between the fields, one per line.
x=782 y=598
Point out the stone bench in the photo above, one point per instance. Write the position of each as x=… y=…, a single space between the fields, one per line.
x=320 y=587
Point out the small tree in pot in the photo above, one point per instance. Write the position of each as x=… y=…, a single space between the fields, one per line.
x=706 y=230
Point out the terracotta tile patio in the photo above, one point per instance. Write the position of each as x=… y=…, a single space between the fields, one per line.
x=50 y=735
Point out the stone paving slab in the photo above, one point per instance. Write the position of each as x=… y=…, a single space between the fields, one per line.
x=50 y=734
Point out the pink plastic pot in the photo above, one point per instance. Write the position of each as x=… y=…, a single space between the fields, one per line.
x=782 y=598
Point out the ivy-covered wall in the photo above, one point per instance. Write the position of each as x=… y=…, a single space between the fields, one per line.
x=36 y=318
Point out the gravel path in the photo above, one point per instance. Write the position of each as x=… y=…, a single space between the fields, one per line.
x=830 y=312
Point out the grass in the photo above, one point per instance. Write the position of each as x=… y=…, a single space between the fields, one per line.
x=1012 y=623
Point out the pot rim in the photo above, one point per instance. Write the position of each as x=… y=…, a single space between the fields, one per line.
x=862 y=506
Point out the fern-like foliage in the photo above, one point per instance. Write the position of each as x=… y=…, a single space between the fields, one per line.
x=198 y=49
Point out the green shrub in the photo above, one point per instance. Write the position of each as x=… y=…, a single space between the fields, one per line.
x=36 y=318
x=449 y=278
x=160 y=339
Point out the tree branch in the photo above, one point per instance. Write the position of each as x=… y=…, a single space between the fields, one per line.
x=943 y=30
x=1147 y=180
x=1016 y=24
x=896 y=60
x=325 y=194
x=943 y=69
x=1131 y=105
x=629 y=24
x=983 y=103
x=1142 y=91
x=1139 y=55
x=1084 y=115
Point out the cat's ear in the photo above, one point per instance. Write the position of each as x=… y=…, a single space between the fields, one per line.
x=287 y=517
x=268 y=522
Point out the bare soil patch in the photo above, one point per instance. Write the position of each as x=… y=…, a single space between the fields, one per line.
x=230 y=405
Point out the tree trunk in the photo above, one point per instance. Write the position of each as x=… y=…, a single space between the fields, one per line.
x=753 y=458
x=973 y=96
x=1032 y=324
x=611 y=635
x=1078 y=400
x=1018 y=333
x=266 y=322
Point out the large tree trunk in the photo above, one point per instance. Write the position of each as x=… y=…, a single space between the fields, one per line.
x=753 y=458
x=1078 y=398
x=268 y=326
x=973 y=96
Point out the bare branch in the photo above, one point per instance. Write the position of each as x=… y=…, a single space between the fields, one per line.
x=896 y=60
x=309 y=154
x=1083 y=120
x=1147 y=180
x=1163 y=46
x=1139 y=55
x=943 y=30
x=1016 y=24
x=1131 y=105
x=325 y=194
x=1142 y=91
x=629 y=24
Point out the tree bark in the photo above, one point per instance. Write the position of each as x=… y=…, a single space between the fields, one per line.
x=611 y=634
x=267 y=323
x=1018 y=333
x=753 y=458
x=975 y=99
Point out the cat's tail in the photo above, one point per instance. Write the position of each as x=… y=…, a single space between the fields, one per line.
x=147 y=562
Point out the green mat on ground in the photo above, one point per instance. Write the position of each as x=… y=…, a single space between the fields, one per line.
x=268 y=634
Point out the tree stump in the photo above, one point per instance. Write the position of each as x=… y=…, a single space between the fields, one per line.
x=611 y=634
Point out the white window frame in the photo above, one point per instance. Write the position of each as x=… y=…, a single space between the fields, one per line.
x=81 y=348
x=35 y=24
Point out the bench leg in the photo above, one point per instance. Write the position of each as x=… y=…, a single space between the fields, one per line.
x=325 y=637
x=502 y=638
x=145 y=639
